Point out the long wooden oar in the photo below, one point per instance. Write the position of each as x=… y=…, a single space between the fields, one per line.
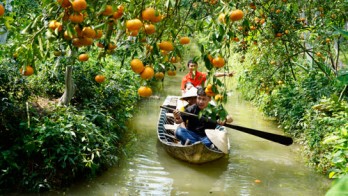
x=265 y=135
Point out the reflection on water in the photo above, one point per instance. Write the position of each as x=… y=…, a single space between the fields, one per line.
x=254 y=166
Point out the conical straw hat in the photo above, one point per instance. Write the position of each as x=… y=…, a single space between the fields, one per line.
x=219 y=139
x=190 y=93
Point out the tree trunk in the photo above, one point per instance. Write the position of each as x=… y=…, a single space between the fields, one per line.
x=3 y=37
x=69 y=87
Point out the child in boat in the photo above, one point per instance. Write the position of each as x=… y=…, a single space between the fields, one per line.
x=188 y=99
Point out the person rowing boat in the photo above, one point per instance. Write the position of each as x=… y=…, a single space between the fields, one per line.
x=191 y=129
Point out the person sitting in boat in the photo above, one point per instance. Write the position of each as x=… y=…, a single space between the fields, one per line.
x=195 y=78
x=188 y=99
x=192 y=129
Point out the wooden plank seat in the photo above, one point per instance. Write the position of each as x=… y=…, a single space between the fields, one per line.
x=170 y=127
x=170 y=115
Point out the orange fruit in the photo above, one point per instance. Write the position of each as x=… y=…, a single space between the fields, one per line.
x=159 y=75
x=117 y=15
x=279 y=34
x=99 y=78
x=79 y=5
x=59 y=26
x=262 y=21
x=157 y=18
x=209 y=87
x=252 y=6
x=67 y=36
x=108 y=10
x=319 y=54
x=257 y=181
x=83 y=57
x=148 y=13
x=218 y=62
x=78 y=31
x=171 y=72
x=134 y=24
x=147 y=73
x=64 y=3
x=236 y=15
x=236 y=39
x=88 y=32
x=144 y=91
x=77 y=42
x=209 y=92
x=221 y=18
x=174 y=59
x=164 y=52
x=2 y=10
x=28 y=71
x=86 y=41
x=218 y=97
x=98 y=34
x=52 y=24
x=76 y=17
x=134 y=33
x=111 y=46
x=100 y=45
x=166 y=45
x=120 y=9
x=150 y=29
x=184 y=40
x=137 y=65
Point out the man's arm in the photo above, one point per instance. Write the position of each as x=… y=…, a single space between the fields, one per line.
x=228 y=119
x=224 y=74
x=177 y=117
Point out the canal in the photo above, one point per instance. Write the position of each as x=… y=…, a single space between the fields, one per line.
x=254 y=166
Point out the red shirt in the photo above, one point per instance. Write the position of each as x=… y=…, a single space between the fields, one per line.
x=198 y=80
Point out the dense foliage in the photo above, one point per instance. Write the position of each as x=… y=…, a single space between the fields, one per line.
x=293 y=67
x=59 y=121
x=47 y=145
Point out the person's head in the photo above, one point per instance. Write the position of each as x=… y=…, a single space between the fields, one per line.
x=192 y=65
x=190 y=96
x=202 y=98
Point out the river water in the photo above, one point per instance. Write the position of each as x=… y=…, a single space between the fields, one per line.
x=254 y=166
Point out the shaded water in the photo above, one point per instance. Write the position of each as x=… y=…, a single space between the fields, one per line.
x=254 y=166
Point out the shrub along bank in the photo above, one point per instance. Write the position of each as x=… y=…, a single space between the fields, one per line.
x=312 y=108
x=43 y=145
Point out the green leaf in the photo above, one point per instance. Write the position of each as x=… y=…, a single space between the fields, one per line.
x=343 y=76
x=330 y=139
x=339 y=188
x=332 y=174
x=73 y=133
x=341 y=31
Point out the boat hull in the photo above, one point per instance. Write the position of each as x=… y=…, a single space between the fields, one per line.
x=196 y=153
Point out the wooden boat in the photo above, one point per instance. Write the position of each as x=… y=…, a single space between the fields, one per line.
x=196 y=153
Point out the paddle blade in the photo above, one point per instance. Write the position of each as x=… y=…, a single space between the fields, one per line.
x=265 y=135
